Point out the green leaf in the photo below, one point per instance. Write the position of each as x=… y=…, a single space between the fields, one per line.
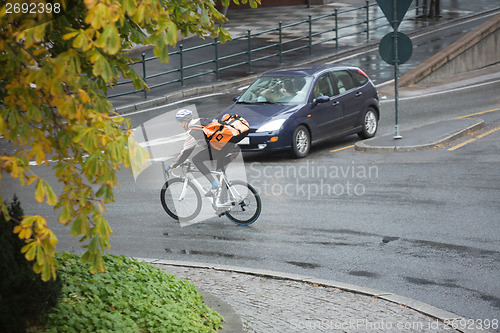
x=114 y=41
x=90 y=166
x=171 y=33
x=94 y=244
x=76 y=227
x=109 y=40
x=129 y=6
x=85 y=257
x=90 y=142
x=83 y=132
x=102 y=68
x=66 y=213
x=46 y=272
x=40 y=260
x=81 y=42
x=161 y=48
x=205 y=20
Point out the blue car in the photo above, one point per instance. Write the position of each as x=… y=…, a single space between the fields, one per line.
x=292 y=108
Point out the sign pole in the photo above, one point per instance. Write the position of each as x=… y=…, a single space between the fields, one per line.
x=395 y=48
x=395 y=24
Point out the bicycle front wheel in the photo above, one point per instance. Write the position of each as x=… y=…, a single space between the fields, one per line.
x=180 y=199
x=246 y=203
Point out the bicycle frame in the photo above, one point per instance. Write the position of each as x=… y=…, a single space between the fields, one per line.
x=223 y=185
x=241 y=206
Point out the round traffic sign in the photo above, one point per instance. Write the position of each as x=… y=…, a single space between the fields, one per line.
x=386 y=48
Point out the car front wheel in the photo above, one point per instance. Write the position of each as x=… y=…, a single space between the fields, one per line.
x=370 y=124
x=301 y=142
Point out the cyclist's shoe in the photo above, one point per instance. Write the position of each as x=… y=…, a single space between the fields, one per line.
x=221 y=212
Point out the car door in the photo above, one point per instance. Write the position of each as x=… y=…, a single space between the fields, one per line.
x=325 y=115
x=350 y=97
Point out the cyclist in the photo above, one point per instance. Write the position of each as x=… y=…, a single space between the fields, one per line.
x=196 y=137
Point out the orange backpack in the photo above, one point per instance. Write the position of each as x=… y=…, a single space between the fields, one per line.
x=231 y=128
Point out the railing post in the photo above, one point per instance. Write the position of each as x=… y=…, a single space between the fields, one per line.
x=181 y=64
x=280 y=24
x=310 y=35
x=144 y=76
x=336 y=28
x=367 y=21
x=216 y=42
x=249 y=34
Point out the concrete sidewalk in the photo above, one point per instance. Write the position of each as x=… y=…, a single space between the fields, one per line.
x=427 y=136
x=261 y=301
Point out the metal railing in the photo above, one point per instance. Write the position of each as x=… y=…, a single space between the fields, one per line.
x=215 y=61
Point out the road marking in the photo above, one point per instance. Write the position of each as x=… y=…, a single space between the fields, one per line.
x=336 y=150
x=474 y=139
x=477 y=113
x=441 y=92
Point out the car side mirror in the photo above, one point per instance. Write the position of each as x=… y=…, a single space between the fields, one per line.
x=321 y=99
x=236 y=98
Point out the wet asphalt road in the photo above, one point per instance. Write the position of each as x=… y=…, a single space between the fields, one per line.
x=421 y=224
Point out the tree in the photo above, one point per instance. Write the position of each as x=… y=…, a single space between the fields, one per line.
x=56 y=66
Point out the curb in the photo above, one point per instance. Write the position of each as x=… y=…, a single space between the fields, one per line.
x=442 y=315
x=365 y=146
x=232 y=321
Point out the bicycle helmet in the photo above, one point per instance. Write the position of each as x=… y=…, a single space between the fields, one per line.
x=184 y=115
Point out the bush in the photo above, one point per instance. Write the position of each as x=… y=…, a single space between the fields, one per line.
x=130 y=296
x=23 y=295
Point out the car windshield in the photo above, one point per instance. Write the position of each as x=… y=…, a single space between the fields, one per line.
x=278 y=89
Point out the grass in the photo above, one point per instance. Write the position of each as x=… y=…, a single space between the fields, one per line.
x=130 y=296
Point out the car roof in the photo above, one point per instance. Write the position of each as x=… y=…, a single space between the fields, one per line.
x=307 y=70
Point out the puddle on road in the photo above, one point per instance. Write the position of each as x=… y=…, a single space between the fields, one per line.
x=306 y=265
x=364 y=274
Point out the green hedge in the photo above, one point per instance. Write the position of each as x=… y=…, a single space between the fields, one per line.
x=130 y=296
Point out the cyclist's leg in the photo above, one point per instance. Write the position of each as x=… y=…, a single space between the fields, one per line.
x=222 y=156
x=198 y=159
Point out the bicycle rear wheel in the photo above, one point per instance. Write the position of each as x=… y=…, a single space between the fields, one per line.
x=246 y=201
x=180 y=199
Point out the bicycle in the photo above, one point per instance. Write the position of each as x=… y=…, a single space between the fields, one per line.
x=181 y=197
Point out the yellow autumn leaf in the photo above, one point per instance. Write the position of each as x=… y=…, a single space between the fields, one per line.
x=40 y=191
x=70 y=35
x=51 y=196
x=29 y=251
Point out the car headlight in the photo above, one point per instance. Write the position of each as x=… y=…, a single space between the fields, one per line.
x=271 y=126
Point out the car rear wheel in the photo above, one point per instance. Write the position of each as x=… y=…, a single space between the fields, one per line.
x=301 y=143
x=370 y=124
